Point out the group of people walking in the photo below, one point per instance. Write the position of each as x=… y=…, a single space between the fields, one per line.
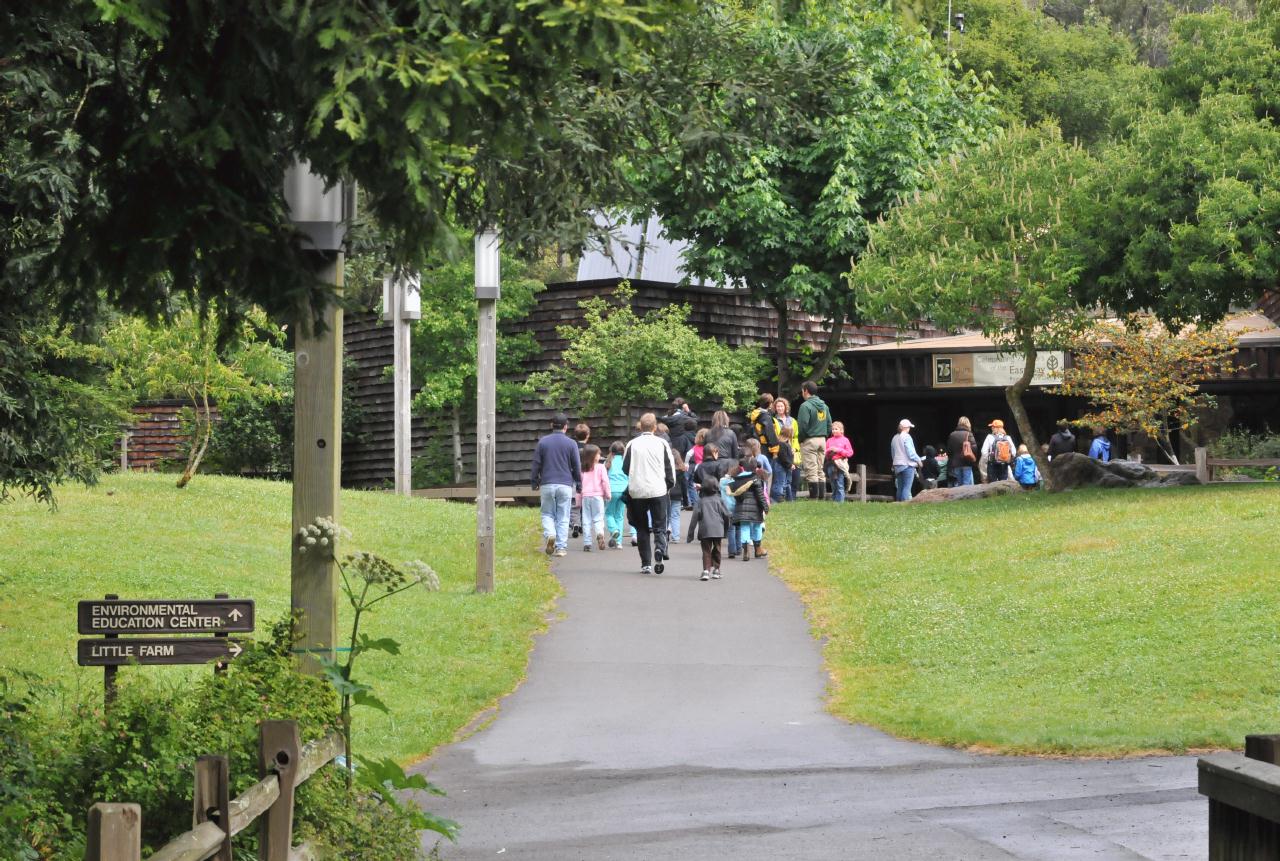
x=671 y=464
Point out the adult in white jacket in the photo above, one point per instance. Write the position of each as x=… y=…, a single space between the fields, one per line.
x=651 y=473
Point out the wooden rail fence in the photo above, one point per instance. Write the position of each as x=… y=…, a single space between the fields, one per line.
x=115 y=830
x=1244 y=800
x=1205 y=465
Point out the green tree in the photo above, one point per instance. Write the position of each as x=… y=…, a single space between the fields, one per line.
x=443 y=344
x=783 y=214
x=619 y=359
x=988 y=246
x=183 y=359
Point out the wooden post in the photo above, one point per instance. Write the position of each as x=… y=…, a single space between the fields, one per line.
x=125 y=433
x=1238 y=835
x=278 y=746
x=211 y=801
x=317 y=464
x=115 y=833
x=403 y=426
x=862 y=482
x=488 y=289
x=1202 y=465
x=109 y=673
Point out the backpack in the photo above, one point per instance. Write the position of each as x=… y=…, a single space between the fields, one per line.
x=966 y=453
x=1002 y=451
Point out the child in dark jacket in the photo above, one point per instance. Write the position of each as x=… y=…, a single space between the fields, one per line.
x=711 y=523
x=750 y=505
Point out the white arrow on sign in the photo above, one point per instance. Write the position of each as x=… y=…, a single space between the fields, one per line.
x=235 y=614
x=235 y=650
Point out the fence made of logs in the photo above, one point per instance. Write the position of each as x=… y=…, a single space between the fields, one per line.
x=1206 y=465
x=115 y=830
x=1244 y=800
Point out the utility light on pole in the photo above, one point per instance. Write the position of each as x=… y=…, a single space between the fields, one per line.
x=488 y=291
x=322 y=215
x=402 y=304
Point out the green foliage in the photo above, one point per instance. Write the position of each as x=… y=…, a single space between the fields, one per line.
x=143 y=750
x=619 y=358
x=186 y=358
x=58 y=414
x=867 y=108
x=149 y=147
x=1243 y=444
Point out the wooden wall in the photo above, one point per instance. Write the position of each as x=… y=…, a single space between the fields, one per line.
x=730 y=316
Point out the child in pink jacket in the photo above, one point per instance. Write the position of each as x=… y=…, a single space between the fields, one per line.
x=839 y=451
x=595 y=493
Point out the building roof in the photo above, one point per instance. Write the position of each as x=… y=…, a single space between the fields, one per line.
x=1254 y=329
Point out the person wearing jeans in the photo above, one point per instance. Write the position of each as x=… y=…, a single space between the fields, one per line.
x=959 y=467
x=557 y=473
x=905 y=461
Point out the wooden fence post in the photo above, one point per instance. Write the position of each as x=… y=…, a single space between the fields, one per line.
x=862 y=482
x=211 y=800
x=115 y=833
x=278 y=746
x=1238 y=835
x=1202 y=465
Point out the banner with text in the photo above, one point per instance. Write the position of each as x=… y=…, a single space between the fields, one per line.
x=977 y=370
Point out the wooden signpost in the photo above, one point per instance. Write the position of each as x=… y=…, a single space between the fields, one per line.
x=111 y=618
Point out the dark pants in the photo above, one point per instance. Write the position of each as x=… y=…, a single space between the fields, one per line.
x=652 y=511
x=710 y=553
x=997 y=471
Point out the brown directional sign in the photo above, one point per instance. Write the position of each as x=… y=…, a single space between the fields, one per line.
x=155 y=650
x=179 y=616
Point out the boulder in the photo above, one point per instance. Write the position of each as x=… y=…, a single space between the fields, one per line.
x=1072 y=470
x=968 y=491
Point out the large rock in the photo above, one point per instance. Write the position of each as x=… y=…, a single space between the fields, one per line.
x=968 y=491
x=1071 y=470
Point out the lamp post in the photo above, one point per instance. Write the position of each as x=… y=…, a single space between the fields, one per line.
x=488 y=289
x=321 y=215
x=401 y=304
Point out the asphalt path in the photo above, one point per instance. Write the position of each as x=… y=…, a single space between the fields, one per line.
x=664 y=717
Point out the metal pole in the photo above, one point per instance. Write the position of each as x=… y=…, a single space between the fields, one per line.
x=488 y=281
x=317 y=465
x=948 y=23
x=400 y=371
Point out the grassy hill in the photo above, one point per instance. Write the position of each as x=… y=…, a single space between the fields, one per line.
x=140 y=537
x=1088 y=622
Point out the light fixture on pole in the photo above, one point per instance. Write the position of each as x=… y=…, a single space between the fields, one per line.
x=488 y=291
x=402 y=304
x=322 y=214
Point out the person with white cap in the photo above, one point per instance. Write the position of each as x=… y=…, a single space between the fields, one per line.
x=905 y=461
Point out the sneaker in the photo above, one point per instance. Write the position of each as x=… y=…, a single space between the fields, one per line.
x=706 y=575
x=715 y=573
x=551 y=545
x=658 y=568
x=577 y=530
x=613 y=542
x=646 y=569
x=634 y=543
x=586 y=548
x=561 y=552
x=600 y=540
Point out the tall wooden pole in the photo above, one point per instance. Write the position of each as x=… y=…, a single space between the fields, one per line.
x=488 y=290
x=400 y=372
x=317 y=465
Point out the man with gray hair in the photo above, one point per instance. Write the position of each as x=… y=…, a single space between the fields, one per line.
x=905 y=461
x=651 y=473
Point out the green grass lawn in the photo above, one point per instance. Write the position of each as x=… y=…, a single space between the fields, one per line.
x=141 y=537
x=1093 y=622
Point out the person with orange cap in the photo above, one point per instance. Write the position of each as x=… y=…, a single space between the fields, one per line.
x=1000 y=452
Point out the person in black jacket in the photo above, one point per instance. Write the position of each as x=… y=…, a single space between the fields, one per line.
x=1062 y=442
x=959 y=467
x=750 y=505
x=725 y=440
x=682 y=426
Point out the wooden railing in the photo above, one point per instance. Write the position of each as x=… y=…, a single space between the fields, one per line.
x=1244 y=800
x=1205 y=465
x=115 y=830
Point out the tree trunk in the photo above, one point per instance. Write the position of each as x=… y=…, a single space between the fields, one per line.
x=455 y=431
x=1164 y=440
x=784 y=335
x=1013 y=395
x=832 y=349
x=199 y=445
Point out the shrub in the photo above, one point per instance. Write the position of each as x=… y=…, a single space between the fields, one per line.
x=59 y=756
x=1246 y=445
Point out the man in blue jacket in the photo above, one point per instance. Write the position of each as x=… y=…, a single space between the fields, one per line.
x=557 y=472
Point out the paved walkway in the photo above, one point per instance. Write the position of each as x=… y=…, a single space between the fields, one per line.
x=664 y=717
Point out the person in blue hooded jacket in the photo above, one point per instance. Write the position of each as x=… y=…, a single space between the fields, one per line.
x=1100 y=449
x=1025 y=470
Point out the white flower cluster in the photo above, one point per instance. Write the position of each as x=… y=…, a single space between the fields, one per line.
x=423 y=573
x=322 y=534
